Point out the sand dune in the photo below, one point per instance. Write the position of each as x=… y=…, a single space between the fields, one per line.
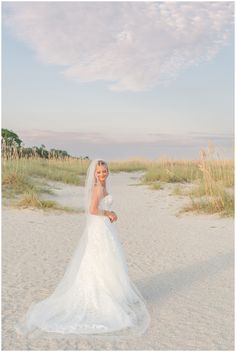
x=183 y=265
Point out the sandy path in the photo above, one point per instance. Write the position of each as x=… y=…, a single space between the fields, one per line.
x=183 y=265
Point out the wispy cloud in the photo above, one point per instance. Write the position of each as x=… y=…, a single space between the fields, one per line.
x=168 y=139
x=120 y=145
x=132 y=45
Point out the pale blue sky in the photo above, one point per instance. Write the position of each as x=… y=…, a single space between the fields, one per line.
x=143 y=118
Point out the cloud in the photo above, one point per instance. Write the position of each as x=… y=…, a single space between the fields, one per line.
x=167 y=139
x=120 y=145
x=131 y=45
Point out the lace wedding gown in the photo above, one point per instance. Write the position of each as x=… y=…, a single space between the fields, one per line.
x=95 y=295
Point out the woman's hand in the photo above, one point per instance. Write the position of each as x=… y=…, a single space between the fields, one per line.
x=113 y=216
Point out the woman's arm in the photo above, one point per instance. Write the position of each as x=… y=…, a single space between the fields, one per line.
x=94 y=209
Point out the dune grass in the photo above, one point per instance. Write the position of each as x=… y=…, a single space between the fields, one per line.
x=32 y=199
x=27 y=177
x=129 y=165
x=212 y=178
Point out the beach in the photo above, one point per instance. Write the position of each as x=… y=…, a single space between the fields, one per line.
x=183 y=264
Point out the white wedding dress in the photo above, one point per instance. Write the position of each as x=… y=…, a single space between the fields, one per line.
x=95 y=295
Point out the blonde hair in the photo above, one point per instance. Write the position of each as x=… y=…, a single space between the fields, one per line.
x=102 y=162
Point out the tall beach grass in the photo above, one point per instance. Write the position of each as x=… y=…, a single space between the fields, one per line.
x=212 y=178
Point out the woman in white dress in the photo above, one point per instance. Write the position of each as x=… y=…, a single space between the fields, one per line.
x=95 y=295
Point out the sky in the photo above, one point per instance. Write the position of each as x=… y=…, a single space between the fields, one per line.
x=117 y=80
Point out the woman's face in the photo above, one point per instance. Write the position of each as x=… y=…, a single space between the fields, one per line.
x=101 y=172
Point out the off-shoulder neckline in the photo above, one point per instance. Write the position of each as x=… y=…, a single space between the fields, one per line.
x=106 y=196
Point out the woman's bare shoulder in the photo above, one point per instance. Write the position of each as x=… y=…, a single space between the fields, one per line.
x=97 y=189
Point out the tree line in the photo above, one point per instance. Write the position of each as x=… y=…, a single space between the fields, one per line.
x=12 y=146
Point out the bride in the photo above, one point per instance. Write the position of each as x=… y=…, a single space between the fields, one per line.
x=95 y=295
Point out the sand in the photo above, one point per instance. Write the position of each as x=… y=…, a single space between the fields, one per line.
x=182 y=264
